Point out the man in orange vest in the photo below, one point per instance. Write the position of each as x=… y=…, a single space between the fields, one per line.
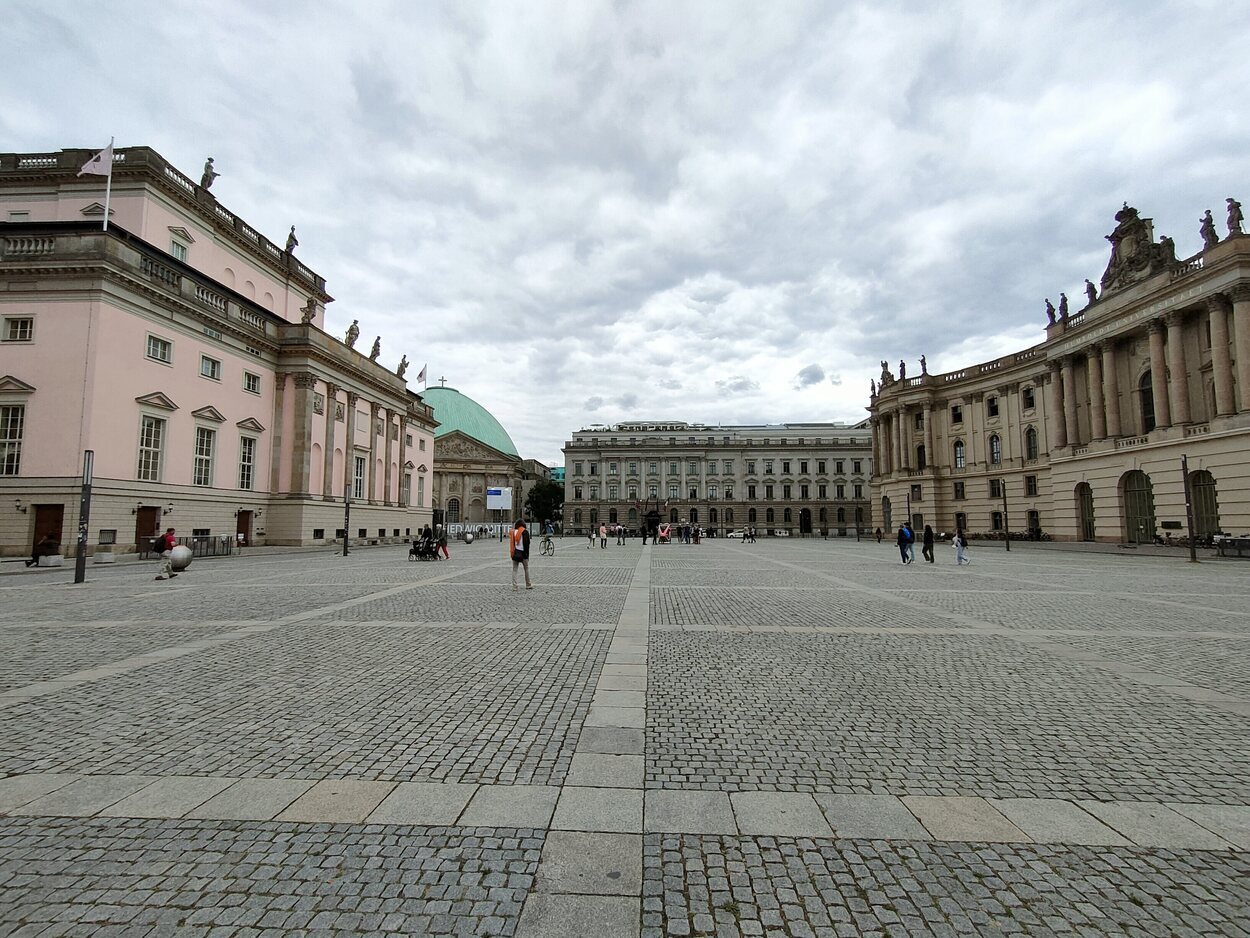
x=519 y=544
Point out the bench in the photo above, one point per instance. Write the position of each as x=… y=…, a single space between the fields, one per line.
x=1233 y=546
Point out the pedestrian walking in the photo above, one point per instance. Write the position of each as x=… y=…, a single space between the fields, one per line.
x=961 y=548
x=902 y=542
x=442 y=543
x=590 y=537
x=165 y=546
x=911 y=542
x=620 y=535
x=927 y=551
x=603 y=537
x=519 y=550
x=48 y=546
x=878 y=535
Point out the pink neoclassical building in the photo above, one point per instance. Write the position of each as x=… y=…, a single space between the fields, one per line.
x=187 y=351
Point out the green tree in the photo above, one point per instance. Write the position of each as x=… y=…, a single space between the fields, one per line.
x=544 y=500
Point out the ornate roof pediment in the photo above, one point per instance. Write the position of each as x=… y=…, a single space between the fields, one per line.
x=95 y=210
x=158 y=399
x=457 y=445
x=12 y=385
x=209 y=412
x=250 y=423
x=182 y=233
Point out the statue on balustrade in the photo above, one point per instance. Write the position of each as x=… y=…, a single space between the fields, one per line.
x=1134 y=253
x=1091 y=292
x=902 y=369
x=924 y=366
x=1168 y=247
x=1209 y=238
x=872 y=388
x=377 y=349
x=1063 y=306
x=209 y=174
x=886 y=377
x=1235 y=218
x=353 y=333
x=309 y=311
x=292 y=242
x=1050 y=311
x=402 y=367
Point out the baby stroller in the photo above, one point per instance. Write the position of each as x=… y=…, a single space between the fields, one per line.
x=423 y=548
x=664 y=534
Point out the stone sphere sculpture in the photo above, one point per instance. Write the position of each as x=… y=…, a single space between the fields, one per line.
x=180 y=557
x=468 y=538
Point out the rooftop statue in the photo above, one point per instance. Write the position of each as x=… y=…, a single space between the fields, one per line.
x=1134 y=253
x=902 y=369
x=292 y=242
x=309 y=311
x=1091 y=291
x=1169 y=249
x=353 y=333
x=1063 y=306
x=1209 y=238
x=1050 y=311
x=209 y=174
x=924 y=366
x=402 y=367
x=886 y=377
x=872 y=388
x=377 y=349
x=1235 y=218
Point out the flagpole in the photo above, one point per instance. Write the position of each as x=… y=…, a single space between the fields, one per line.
x=108 y=185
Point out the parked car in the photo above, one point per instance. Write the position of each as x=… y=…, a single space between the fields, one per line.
x=737 y=534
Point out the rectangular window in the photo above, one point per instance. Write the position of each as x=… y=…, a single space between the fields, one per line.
x=803 y=491
x=210 y=368
x=961 y=521
x=12 y=423
x=785 y=491
x=712 y=491
x=841 y=491
x=251 y=384
x=916 y=493
x=785 y=467
x=768 y=467
x=859 y=490
x=957 y=413
x=594 y=493
x=653 y=491
x=212 y=333
x=729 y=467
x=319 y=534
x=633 y=468
x=750 y=467
x=694 y=492
x=420 y=491
x=996 y=488
x=751 y=492
x=857 y=466
x=19 y=328
x=594 y=468
x=358 y=477
x=577 y=468
x=711 y=467
x=729 y=492
x=768 y=491
x=991 y=406
x=820 y=467
x=577 y=493
x=633 y=493
x=205 y=443
x=247 y=461
x=822 y=491
x=653 y=468
x=672 y=468
x=151 y=439
x=692 y=468
x=839 y=467
x=1030 y=486
x=160 y=350
x=672 y=490
x=614 y=492
x=959 y=492
x=1026 y=396
x=179 y=251
x=918 y=420
x=996 y=521
x=614 y=468
x=803 y=467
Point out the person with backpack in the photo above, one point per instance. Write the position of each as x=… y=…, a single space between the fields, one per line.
x=165 y=545
x=902 y=541
x=927 y=550
x=519 y=550
x=961 y=546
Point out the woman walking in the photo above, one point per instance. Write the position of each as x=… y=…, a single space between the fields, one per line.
x=903 y=541
x=603 y=536
x=927 y=549
x=961 y=545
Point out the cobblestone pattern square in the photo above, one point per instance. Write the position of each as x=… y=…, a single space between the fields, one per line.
x=1221 y=664
x=196 y=878
x=925 y=715
x=29 y=654
x=313 y=702
x=719 y=577
x=444 y=602
x=738 y=887
x=550 y=572
x=807 y=608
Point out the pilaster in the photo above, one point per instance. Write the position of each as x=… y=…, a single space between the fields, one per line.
x=1178 y=384
x=1159 y=376
x=1097 y=408
x=1240 y=295
x=1221 y=361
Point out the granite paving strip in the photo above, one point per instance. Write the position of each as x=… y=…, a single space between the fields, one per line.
x=511 y=806
x=1154 y=825
x=23 y=789
x=432 y=804
x=1051 y=821
x=592 y=864
x=170 y=797
x=578 y=916
x=779 y=813
x=1231 y=822
x=693 y=812
x=965 y=819
x=87 y=796
x=253 y=799
x=338 y=800
x=616 y=810
x=876 y=817
x=602 y=770
x=615 y=740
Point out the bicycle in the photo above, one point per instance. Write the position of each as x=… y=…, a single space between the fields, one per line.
x=548 y=546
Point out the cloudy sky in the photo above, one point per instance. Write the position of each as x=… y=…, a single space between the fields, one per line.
x=588 y=212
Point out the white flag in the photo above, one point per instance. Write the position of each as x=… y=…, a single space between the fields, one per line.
x=421 y=376
x=101 y=164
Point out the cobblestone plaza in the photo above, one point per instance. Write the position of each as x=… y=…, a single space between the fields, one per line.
x=793 y=738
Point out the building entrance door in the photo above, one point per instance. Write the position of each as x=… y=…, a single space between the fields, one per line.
x=48 y=521
x=147 y=523
x=1139 y=508
x=1206 y=508
x=243 y=528
x=1085 y=510
x=805 y=521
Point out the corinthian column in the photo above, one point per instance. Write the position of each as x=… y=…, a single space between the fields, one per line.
x=1058 y=425
x=386 y=495
x=1159 y=376
x=1097 y=412
x=349 y=448
x=400 y=500
x=896 y=459
x=372 y=475
x=1221 y=363
x=904 y=440
x=327 y=472
x=1110 y=389
x=928 y=434
x=301 y=455
x=1178 y=386
x=1069 y=402
x=1241 y=330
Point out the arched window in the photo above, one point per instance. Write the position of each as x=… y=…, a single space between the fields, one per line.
x=752 y=518
x=633 y=516
x=1030 y=443
x=711 y=516
x=729 y=516
x=824 y=516
x=672 y=516
x=960 y=460
x=786 y=517
x=1146 y=396
x=1206 y=506
x=611 y=516
x=841 y=516
x=768 y=516
x=594 y=517
x=453 y=511
x=996 y=450
x=577 y=516
x=694 y=516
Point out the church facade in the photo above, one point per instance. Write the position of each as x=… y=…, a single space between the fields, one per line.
x=1131 y=406
x=188 y=353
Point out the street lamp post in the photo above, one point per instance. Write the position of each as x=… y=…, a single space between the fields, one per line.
x=1006 y=524
x=1189 y=508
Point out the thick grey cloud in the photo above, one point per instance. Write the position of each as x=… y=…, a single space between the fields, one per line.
x=809 y=375
x=664 y=200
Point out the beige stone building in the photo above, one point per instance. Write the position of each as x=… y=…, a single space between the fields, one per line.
x=800 y=479
x=1082 y=436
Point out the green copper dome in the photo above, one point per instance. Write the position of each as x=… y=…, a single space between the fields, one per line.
x=454 y=411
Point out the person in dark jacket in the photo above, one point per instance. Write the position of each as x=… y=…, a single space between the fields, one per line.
x=927 y=550
x=903 y=540
x=519 y=549
x=48 y=546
